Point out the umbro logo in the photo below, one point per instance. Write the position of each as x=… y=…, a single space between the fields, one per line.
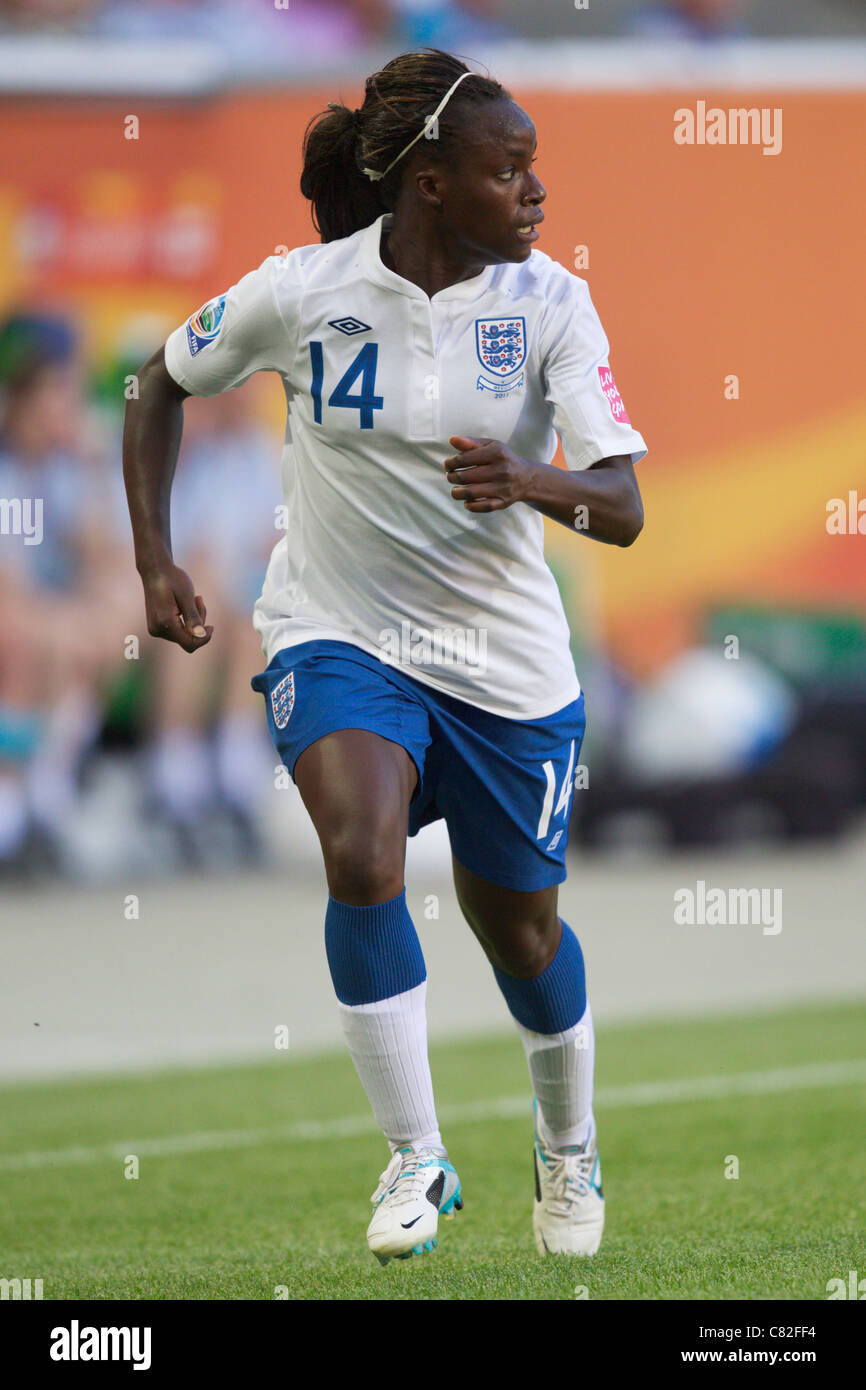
x=349 y=325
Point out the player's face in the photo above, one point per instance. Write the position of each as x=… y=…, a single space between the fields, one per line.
x=491 y=200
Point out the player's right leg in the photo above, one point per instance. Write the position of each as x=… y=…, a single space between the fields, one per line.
x=356 y=782
x=357 y=787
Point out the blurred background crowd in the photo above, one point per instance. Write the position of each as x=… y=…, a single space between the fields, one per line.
x=332 y=27
x=117 y=753
x=79 y=675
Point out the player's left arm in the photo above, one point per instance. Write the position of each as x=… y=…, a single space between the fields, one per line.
x=596 y=494
x=602 y=501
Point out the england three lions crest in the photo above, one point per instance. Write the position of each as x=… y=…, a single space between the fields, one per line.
x=283 y=700
x=501 y=347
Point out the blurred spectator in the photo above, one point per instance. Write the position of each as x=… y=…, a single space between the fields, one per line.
x=252 y=31
x=70 y=598
x=702 y=716
x=689 y=19
x=258 y=32
x=448 y=24
x=63 y=604
x=58 y=15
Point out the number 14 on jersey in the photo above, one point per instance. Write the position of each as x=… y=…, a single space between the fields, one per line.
x=365 y=401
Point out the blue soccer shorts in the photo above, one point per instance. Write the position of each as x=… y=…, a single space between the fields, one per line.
x=503 y=786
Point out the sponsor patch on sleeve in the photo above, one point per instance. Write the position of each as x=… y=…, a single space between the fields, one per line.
x=204 y=326
x=614 y=399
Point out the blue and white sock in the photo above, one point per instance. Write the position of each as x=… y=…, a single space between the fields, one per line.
x=561 y=1068
x=380 y=980
x=555 y=1025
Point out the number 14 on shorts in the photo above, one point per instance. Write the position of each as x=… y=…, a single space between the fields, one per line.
x=548 y=810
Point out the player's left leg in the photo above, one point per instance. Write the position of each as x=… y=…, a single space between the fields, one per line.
x=539 y=968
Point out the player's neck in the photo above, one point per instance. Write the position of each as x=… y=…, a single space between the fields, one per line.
x=422 y=259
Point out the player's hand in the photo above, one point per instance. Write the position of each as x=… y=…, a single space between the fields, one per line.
x=174 y=610
x=486 y=475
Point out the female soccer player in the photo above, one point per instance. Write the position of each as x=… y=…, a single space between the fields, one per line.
x=418 y=653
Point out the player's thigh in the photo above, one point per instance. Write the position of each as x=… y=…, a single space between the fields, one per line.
x=357 y=787
x=519 y=931
x=505 y=791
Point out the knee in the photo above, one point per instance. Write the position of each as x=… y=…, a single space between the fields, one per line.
x=363 y=863
x=526 y=949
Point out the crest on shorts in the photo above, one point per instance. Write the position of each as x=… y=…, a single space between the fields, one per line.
x=204 y=326
x=501 y=347
x=283 y=700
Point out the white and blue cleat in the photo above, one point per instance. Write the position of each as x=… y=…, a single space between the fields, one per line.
x=414 y=1191
x=568 y=1215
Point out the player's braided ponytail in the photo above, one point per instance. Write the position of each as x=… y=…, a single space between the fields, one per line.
x=340 y=144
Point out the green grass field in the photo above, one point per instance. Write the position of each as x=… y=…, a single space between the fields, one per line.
x=252 y=1178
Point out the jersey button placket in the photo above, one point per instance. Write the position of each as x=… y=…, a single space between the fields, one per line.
x=423 y=408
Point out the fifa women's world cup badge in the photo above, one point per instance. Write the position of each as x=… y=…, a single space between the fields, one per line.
x=501 y=347
x=204 y=326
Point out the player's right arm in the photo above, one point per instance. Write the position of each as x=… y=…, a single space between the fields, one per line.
x=218 y=348
x=151 y=439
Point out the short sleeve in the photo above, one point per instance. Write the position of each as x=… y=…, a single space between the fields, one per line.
x=588 y=411
x=236 y=334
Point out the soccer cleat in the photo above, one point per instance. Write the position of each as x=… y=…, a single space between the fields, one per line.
x=414 y=1191
x=568 y=1216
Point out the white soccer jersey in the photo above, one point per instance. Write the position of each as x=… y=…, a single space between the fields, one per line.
x=377 y=377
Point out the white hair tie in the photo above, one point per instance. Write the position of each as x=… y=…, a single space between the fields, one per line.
x=428 y=125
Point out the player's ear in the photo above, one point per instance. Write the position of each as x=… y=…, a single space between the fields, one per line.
x=428 y=183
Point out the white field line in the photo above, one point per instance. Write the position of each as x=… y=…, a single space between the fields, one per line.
x=749 y=1083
